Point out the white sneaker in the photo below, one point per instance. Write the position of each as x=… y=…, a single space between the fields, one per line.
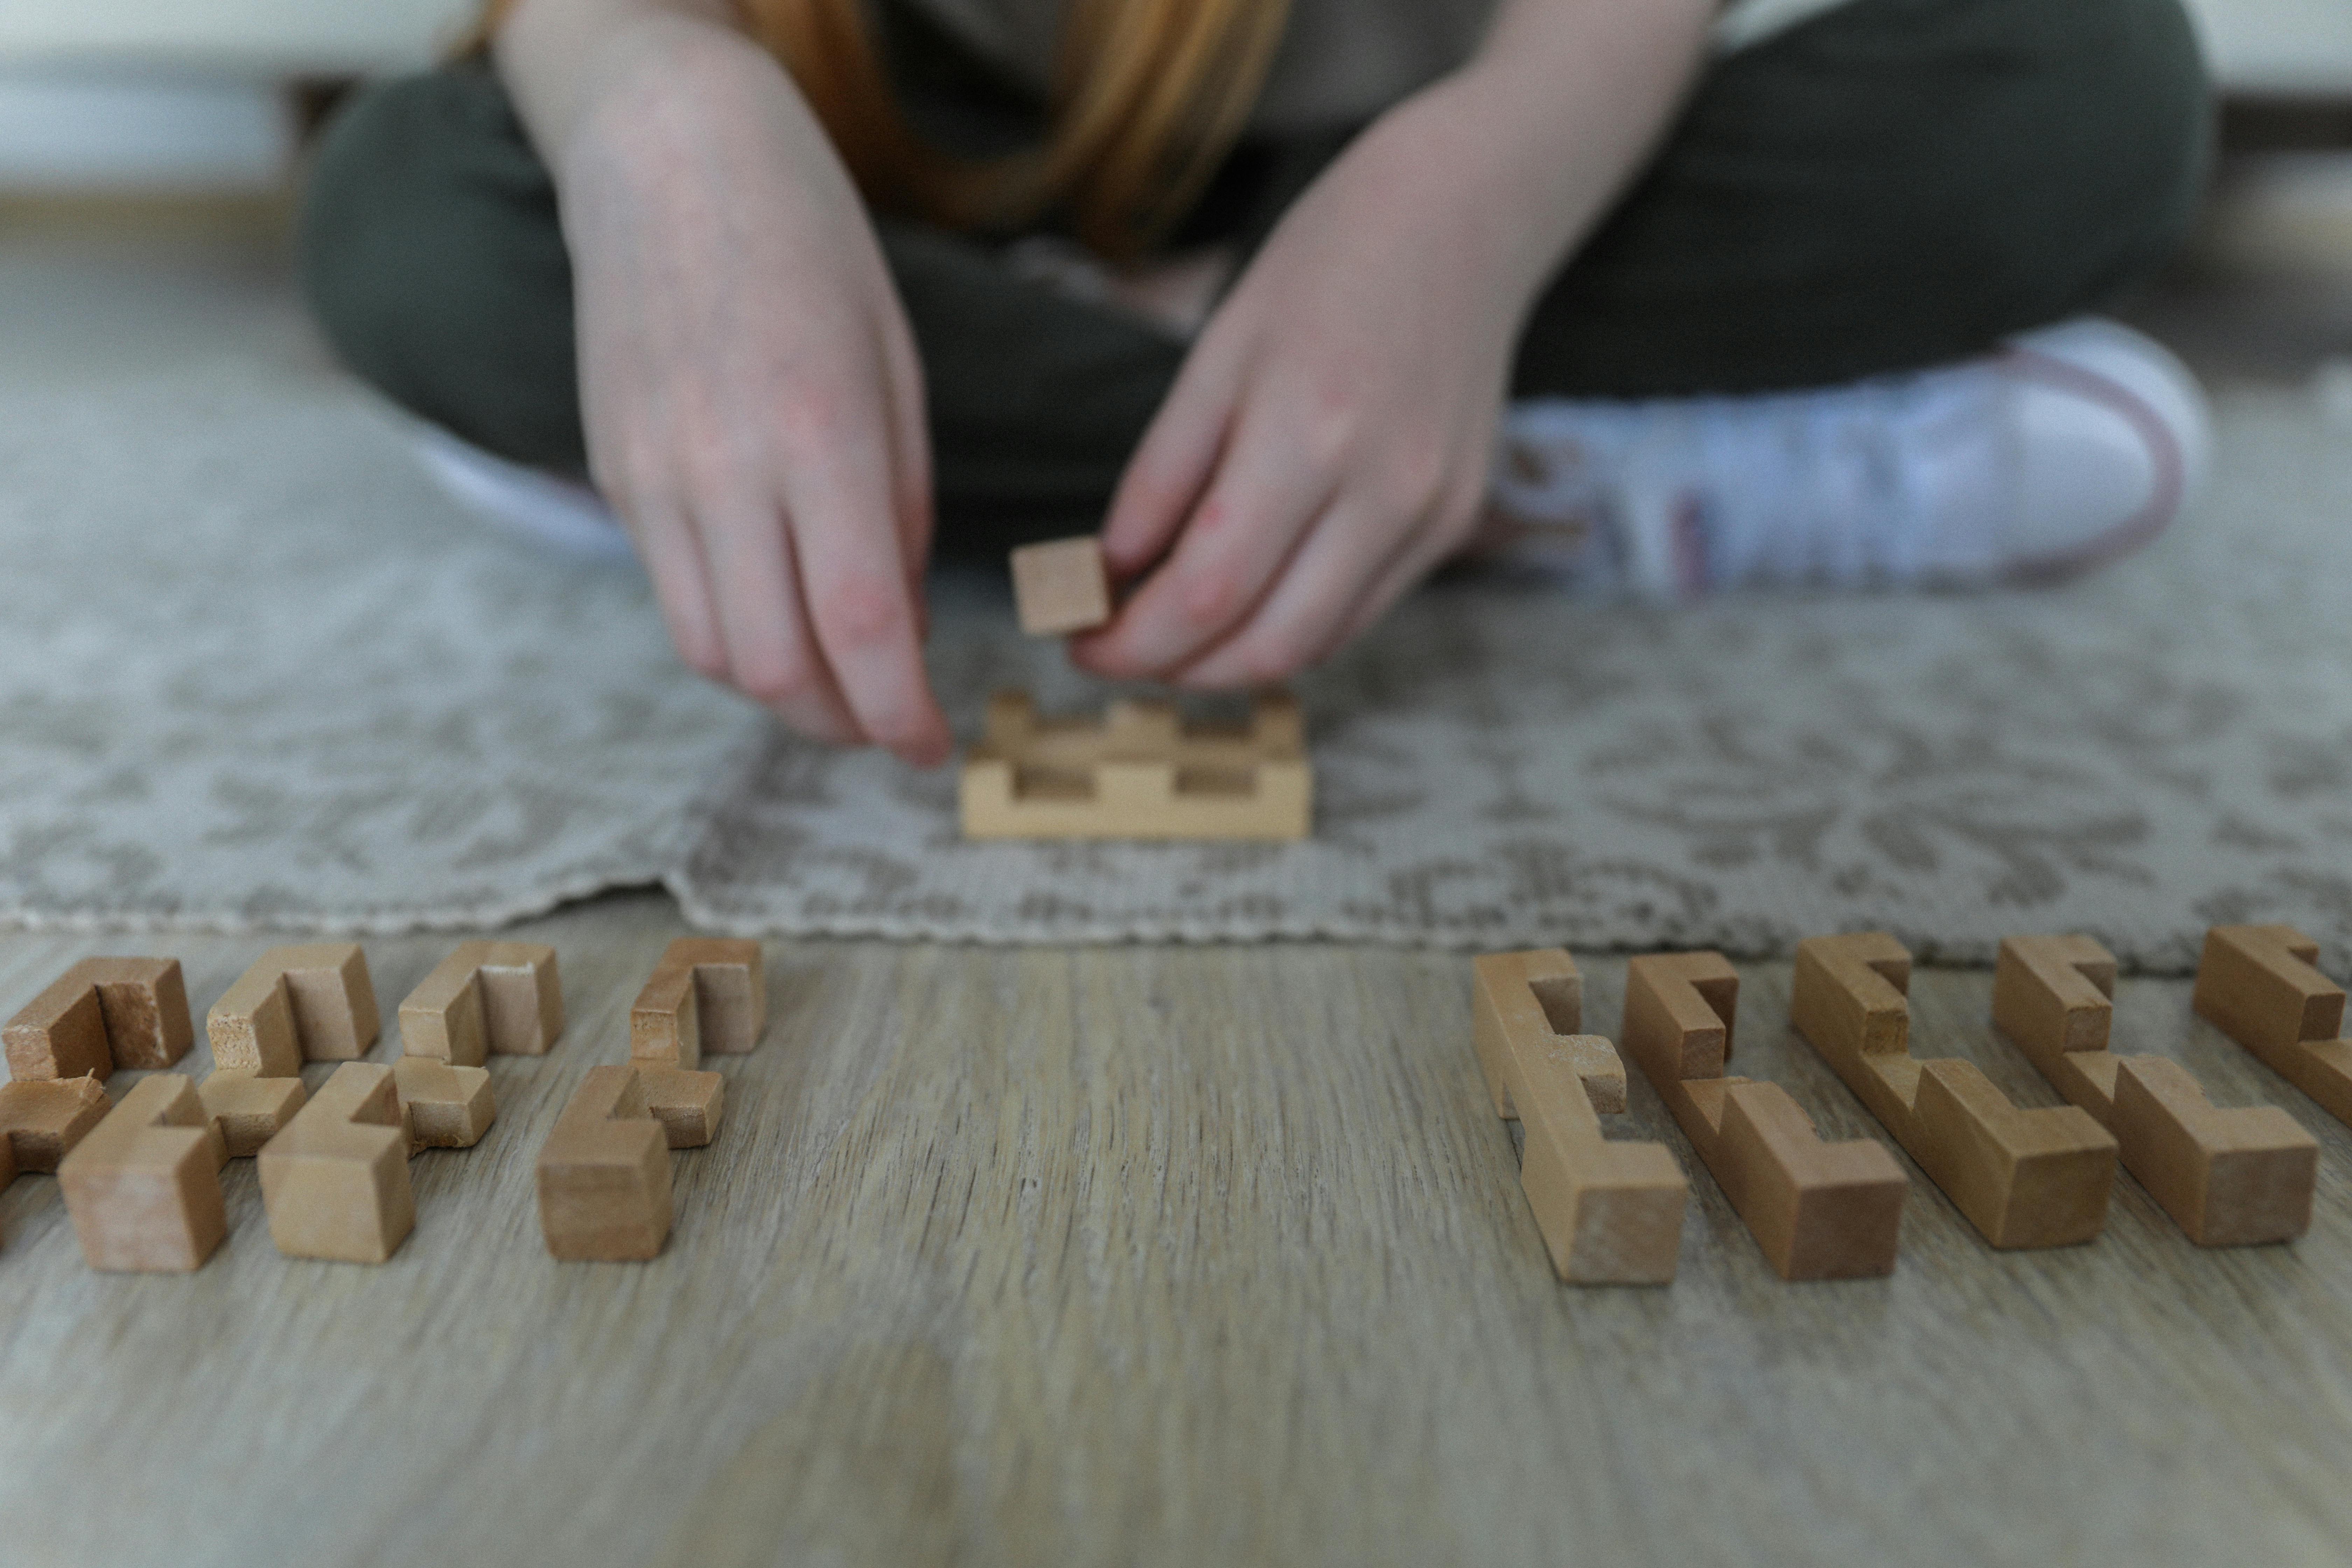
x=529 y=503
x=2067 y=447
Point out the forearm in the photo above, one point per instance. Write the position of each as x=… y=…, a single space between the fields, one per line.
x=561 y=59
x=1561 y=108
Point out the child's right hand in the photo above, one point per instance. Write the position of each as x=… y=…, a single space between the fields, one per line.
x=753 y=403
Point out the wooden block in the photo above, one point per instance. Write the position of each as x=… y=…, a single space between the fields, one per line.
x=2024 y=1178
x=1610 y=1214
x=100 y=1015
x=41 y=1119
x=485 y=996
x=336 y=1181
x=2230 y=1178
x=252 y=1027
x=248 y=1111
x=1820 y=1211
x=1559 y=989
x=2257 y=985
x=1061 y=587
x=707 y=993
x=603 y=1174
x=331 y=1009
x=447 y=1108
x=687 y=1104
x=1139 y=774
x=143 y=1187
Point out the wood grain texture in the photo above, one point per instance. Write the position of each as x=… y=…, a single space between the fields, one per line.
x=1159 y=1256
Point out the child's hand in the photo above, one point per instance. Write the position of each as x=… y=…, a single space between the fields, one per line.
x=753 y=404
x=1328 y=442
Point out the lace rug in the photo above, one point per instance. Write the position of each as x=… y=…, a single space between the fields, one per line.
x=255 y=672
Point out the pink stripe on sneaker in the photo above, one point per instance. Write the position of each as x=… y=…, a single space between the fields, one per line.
x=2164 y=498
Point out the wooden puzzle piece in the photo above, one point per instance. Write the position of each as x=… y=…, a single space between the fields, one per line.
x=2257 y=985
x=1820 y=1211
x=1139 y=774
x=311 y=1001
x=1610 y=1214
x=603 y=1174
x=248 y=1110
x=2230 y=1178
x=335 y=1182
x=42 y=1120
x=447 y=1106
x=707 y=993
x=142 y=1188
x=2035 y=1177
x=485 y=996
x=100 y=1015
x=1061 y=587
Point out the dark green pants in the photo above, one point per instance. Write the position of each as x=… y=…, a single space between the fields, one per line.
x=1897 y=184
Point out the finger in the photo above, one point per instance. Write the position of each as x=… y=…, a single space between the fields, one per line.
x=773 y=658
x=911 y=453
x=854 y=580
x=1421 y=556
x=1172 y=465
x=1344 y=553
x=1231 y=553
x=673 y=559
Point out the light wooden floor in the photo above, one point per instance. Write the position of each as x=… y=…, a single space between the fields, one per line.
x=1152 y=1255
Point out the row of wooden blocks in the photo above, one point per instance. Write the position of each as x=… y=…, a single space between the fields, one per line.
x=141 y=1178
x=1611 y=1213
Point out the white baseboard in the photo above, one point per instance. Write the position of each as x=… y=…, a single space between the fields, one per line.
x=141 y=130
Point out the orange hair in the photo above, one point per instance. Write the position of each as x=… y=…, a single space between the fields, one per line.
x=1149 y=96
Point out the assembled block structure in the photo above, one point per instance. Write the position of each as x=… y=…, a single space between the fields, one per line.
x=2257 y=985
x=1139 y=774
x=2230 y=1178
x=1610 y=1214
x=1061 y=587
x=2036 y=1177
x=1820 y=1211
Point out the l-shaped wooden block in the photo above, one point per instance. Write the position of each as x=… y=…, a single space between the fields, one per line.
x=314 y=1002
x=2231 y=1178
x=100 y=1015
x=42 y=1120
x=336 y=1181
x=144 y=1186
x=1820 y=1211
x=707 y=993
x=485 y=996
x=2257 y=985
x=1610 y=1214
x=604 y=1173
x=2036 y=1177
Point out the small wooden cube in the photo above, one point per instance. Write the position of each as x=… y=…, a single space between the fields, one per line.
x=143 y=1187
x=42 y=1120
x=448 y=1107
x=603 y=1174
x=248 y=1110
x=687 y=1104
x=336 y=1181
x=1061 y=587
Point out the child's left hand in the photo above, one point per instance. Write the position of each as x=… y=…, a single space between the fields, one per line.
x=1329 y=440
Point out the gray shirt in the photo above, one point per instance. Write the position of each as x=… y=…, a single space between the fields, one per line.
x=1340 y=61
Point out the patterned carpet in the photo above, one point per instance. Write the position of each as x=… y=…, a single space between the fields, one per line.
x=254 y=672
